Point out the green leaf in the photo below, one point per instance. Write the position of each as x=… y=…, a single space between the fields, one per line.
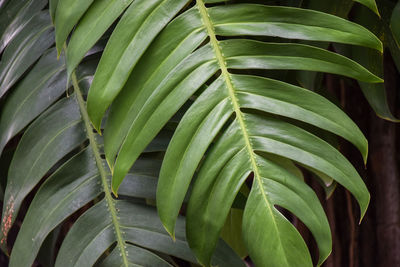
x=257 y=18
x=150 y=74
x=309 y=150
x=200 y=69
x=239 y=124
x=68 y=13
x=61 y=144
x=136 y=255
x=341 y=8
x=265 y=226
x=27 y=101
x=91 y=27
x=25 y=48
x=139 y=224
x=374 y=93
x=18 y=15
x=228 y=164
x=66 y=191
x=54 y=134
x=52 y=8
x=231 y=232
x=134 y=32
x=291 y=23
x=371 y=4
x=291 y=56
x=232 y=99
x=132 y=128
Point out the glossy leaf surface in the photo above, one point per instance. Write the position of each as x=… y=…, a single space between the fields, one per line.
x=129 y=117
x=239 y=125
x=25 y=48
x=147 y=87
x=38 y=90
x=61 y=155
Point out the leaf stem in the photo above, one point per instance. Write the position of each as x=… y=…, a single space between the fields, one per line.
x=235 y=103
x=103 y=174
x=228 y=80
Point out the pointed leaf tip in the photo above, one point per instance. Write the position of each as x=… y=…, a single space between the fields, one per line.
x=95 y=119
x=371 y=4
x=365 y=153
x=364 y=209
x=59 y=49
x=97 y=128
x=322 y=260
x=115 y=193
x=171 y=233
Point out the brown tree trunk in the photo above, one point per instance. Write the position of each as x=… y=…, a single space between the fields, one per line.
x=384 y=172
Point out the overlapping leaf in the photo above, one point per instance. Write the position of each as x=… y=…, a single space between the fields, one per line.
x=58 y=142
x=42 y=86
x=374 y=93
x=15 y=16
x=51 y=138
x=232 y=120
x=24 y=49
x=151 y=79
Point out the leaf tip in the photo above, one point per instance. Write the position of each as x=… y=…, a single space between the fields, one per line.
x=364 y=209
x=388 y=117
x=94 y=117
x=171 y=232
x=365 y=154
x=110 y=166
x=381 y=49
x=97 y=128
x=69 y=73
x=380 y=80
x=114 y=187
x=324 y=257
x=201 y=262
x=115 y=192
x=376 y=11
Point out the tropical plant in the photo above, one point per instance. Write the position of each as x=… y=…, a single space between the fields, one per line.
x=60 y=143
x=219 y=75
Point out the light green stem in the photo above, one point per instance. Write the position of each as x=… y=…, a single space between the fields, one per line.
x=235 y=103
x=101 y=167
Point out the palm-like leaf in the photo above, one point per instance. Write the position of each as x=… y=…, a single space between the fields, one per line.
x=24 y=49
x=80 y=180
x=74 y=184
x=179 y=62
x=59 y=142
x=233 y=121
x=15 y=16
